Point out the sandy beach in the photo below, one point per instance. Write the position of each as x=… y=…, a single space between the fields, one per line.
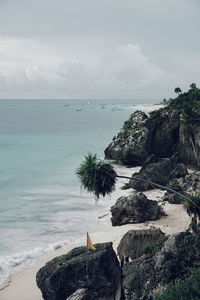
x=22 y=285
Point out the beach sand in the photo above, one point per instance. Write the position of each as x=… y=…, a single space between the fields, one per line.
x=22 y=285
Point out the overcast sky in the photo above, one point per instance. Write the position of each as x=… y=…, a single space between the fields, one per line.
x=98 y=48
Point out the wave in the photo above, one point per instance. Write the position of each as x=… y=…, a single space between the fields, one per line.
x=13 y=263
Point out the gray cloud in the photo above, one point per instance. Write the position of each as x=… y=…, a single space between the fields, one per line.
x=90 y=48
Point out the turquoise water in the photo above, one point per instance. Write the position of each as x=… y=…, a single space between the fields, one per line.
x=42 y=143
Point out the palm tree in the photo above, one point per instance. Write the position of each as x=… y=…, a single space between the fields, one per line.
x=99 y=177
x=193 y=85
x=177 y=90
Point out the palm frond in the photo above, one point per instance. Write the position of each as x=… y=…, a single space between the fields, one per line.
x=96 y=176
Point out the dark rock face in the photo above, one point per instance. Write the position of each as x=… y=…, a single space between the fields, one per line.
x=135 y=208
x=129 y=145
x=163 y=135
x=160 y=172
x=62 y=276
x=189 y=138
x=147 y=276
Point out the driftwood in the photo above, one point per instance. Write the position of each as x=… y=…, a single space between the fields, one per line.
x=133 y=242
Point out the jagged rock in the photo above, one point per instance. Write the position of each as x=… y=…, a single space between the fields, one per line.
x=149 y=275
x=133 y=243
x=63 y=275
x=135 y=208
x=129 y=145
x=162 y=134
x=160 y=172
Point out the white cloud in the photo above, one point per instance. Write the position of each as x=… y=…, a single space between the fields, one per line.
x=29 y=66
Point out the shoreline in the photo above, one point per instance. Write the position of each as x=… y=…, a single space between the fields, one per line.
x=23 y=282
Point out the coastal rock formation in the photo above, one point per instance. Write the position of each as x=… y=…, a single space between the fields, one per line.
x=189 y=184
x=129 y=145
x=133 y=243
x=62 y=276
x=163 y=133
x=149 y=275
x=135 y=208
x=160 y=172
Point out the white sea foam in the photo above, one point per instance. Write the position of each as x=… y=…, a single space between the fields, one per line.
x=12 y=263
x=147 y=107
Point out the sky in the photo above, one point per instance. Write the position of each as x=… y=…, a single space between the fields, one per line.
x=98 y=49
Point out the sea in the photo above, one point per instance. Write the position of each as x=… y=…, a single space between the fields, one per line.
x=42 y=143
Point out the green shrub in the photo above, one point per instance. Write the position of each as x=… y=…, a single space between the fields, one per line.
x=150 y=250
x=188 y=289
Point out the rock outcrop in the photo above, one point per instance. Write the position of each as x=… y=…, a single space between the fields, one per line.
x=147 y=276
x=135 y=208
x=162 y=134
x=160 y=172
x=129 y=145
x=62 y=276
x=133 y=243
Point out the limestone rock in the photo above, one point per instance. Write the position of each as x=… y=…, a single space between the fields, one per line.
x=162 y=134
x=147 y=276
x=133 y=243
x=62 y=276
x=160 y=172
x=135 y=208
x=129 y=145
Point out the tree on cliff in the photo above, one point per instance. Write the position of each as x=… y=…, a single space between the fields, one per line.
x=177 y=90
x=193 y=85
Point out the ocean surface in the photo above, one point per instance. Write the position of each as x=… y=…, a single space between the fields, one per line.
x=42 y=142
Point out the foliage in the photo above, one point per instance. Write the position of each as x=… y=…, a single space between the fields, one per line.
x=177 y=90
x=150 y=250
x=64 y=258
x=96 y=176
x=180 y=263
x=193 y=85
x=193 y=209
x=188 y=289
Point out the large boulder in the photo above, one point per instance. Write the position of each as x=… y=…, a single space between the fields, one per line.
x=135 y=208
x=147 y=276
x=190 y=184
x=161 y=172
x=129 y=145
x=62 y=276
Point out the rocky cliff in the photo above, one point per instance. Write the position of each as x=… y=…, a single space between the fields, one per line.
x=170 y=130
x=150 y=275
